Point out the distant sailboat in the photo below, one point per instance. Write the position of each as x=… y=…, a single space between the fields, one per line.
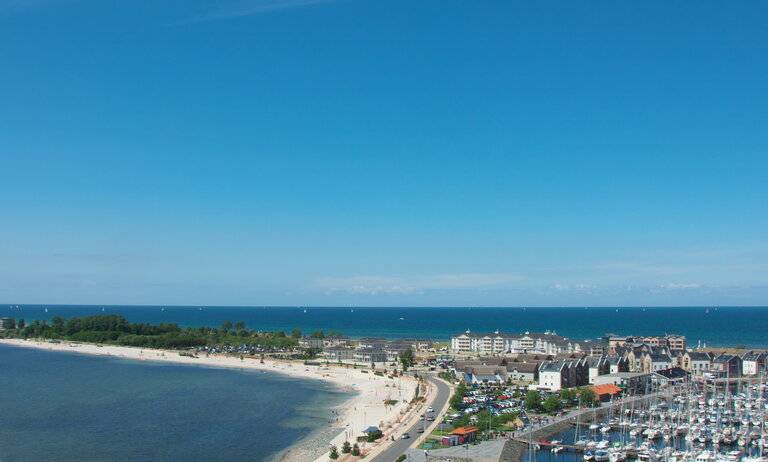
x=305 y=310
x=46 y=310
x=402 y=319
x=102 y=309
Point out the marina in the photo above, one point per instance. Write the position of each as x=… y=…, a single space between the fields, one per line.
x=688 y=425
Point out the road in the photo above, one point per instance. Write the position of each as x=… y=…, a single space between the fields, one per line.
x=400 y=446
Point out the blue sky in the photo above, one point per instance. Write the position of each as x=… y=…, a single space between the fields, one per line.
x=383 y=153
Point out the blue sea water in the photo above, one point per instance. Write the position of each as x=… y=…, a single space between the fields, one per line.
x=72 y=407
x=717 y=326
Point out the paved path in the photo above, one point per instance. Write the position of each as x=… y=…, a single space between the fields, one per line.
x=400 y=446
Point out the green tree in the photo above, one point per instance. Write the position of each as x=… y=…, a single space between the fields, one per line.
x=239 y=325
x=355 y=450
x=58 y=324
x=346 y=448
x=334 y=454
x=21 y=324
x=318 y=334
x=552 y=404
x=296 y=333
x=587 y=396
x=407 y=359
x=457 y=400
x=226 y=326
x=533 y=400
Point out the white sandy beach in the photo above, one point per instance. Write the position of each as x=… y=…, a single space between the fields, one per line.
x=365 y=409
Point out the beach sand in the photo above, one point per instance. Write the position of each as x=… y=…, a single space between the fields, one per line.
x=366 y=408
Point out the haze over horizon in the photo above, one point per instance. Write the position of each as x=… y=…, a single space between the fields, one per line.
x=353 y=152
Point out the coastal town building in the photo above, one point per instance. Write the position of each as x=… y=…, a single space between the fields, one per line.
x=369 y=355
x=617 y=363
x=499 y=343
x=674 y=375
x=311 y=342
x=338 y=354
x=633 y=383
x=523 y=369
x=371 y=342
x=696 y=362
x=668 y=342
x=485 y=375
x=563 y=373
x=727 y=365
x=597 y=365
x=7 y=323
x=753 y=363
x=652 y=362
x=523 y=372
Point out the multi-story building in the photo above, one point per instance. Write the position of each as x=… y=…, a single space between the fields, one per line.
x=338 y=354
x=597 y=365
x=696 y=362
x=652 y=362
x=369 y=355
x=617 y=363
x=497 y=343
x=556 y=375
x=753 y=363
x=727 y=365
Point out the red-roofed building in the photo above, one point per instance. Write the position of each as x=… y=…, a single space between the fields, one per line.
x=460 y=435
x=604 y=392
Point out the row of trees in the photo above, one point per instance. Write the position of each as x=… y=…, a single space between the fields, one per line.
x=567 y=397
x=116 y=329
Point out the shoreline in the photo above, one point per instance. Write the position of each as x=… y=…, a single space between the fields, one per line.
x=363 y=409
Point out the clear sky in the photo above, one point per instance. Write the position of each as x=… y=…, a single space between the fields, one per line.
x=384 y=152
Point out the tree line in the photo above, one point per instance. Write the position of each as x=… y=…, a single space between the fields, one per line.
x=115 y=329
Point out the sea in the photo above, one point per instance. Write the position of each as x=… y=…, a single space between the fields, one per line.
x=73 y=407
x=713 y=326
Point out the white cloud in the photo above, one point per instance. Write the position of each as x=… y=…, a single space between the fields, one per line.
x=681 y=286
x=375 y=285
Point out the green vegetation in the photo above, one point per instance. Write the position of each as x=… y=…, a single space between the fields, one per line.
x=355 y=450
x=587 y=396
x=321 y=334
x=346 y=448
x=334 y=454
x=407 y=359
x=401 y=458
x=373 y=436
x=533 y=400
x=447 y=376
x=116 y=330
x=486 y=420
x=457 y=400
x=552 y=404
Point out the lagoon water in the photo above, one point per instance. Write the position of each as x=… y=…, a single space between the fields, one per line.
x=717 y=326
x=72 y=407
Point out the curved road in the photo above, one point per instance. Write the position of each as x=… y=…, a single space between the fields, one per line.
x=400 y=446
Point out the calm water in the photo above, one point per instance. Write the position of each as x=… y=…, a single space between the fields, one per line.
x=70 y=407
x=716 y=326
